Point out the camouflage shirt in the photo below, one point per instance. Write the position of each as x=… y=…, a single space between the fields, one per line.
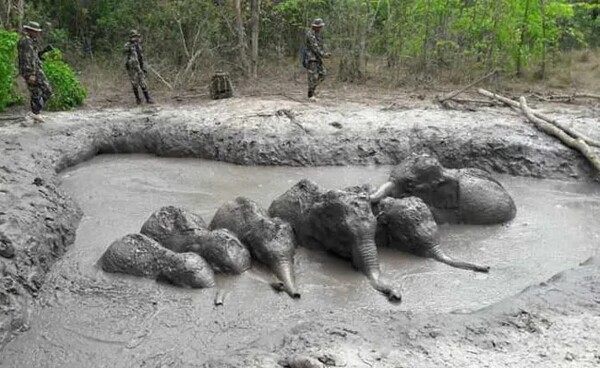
x=314 y=45
x=134 y=55
x=29 y=61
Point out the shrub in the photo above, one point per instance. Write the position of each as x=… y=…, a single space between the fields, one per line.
x=68 y=91
x=8 y=69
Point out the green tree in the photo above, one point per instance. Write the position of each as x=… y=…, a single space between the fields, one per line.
x=8 y=70
x=68 y=91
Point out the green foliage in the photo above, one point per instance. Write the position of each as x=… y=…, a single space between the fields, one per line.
x=8 y=70
x=68 y=91
x=425 y=36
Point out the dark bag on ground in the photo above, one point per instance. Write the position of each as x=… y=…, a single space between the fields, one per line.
x=220 y=86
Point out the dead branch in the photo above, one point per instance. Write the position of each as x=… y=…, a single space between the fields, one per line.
x=453 y=105
x=576 y=144
x=188 y=97
x=539 y=115
x=14 y=117
x=475 y=101
x=160 y=77
x=183 y=41
x=456 y=93
x=573 y=96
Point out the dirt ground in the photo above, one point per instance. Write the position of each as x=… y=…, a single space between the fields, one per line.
x=553 y=324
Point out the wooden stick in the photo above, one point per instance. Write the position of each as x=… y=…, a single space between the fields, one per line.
x=456 y=93
x=475 y=101
x=179 y=98
x=160 y=77
x=14 y=117
x=547 y=119
x=576 y=144
x=573 y=96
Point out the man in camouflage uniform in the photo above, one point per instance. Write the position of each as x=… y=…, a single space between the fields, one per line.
x=135 y=66
x=315 y=55
x=30 y=68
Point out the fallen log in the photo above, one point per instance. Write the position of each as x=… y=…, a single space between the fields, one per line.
x=573 y=96
x=188 y=97
x=515 y=104
x=577 y=144
x=13 y=117
x=476 y=101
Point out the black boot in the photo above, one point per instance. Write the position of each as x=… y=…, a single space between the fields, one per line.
x=311 y=93
x=148 y=97
x=138 y=100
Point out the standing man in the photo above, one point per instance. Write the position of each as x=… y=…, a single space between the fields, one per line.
x=135 y=66
x=315 y=55
x=30 y=68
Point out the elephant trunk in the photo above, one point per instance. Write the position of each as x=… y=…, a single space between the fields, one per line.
x=284 y=270
x=437 y=254
x=384 y=191
x=366 y=260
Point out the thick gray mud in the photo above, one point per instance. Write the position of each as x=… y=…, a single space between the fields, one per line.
x=550 y=324
x=88 y=316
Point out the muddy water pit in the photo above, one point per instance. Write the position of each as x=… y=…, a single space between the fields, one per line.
x=86 y=316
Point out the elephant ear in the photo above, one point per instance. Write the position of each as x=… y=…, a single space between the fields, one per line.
x=446 y=194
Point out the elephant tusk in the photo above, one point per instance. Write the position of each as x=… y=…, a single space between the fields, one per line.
x=382 y=192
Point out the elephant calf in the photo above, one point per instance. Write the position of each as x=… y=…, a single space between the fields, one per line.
x=139 y=255
x=338 y=221
x=183 y=231
x=407 y=224
x=468 y=195
x=270 y=240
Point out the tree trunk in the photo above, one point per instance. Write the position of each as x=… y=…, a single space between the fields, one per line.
x=542 y=71
x=362 y=51
x=21 y=13
x=239 y=25
x=255 y=10
x=519 y=63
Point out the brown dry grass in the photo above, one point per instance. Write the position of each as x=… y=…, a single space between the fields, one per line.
x=575 y=71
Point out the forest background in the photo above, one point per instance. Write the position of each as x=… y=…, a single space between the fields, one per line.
x=387 y=43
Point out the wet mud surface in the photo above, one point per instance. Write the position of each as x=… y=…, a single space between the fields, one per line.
x=72 y=315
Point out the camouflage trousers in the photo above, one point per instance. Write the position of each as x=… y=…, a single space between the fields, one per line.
x=137 y=78
x=316 y=74
x=40 y=92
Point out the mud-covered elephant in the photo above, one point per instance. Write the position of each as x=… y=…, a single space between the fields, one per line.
x=183 y=231
x=407 y=224
x=338 y=221
x=270 y=240
x=138 y=255
x=470 y=196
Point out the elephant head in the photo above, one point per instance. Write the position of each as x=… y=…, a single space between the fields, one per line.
x=338 y=221
x=139 y=255
x=407 y=224
x=343 y=222
x=270 y=240
x=422 y=174
x=183 y=231
x=455 y=196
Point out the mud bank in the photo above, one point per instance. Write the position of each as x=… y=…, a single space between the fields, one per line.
x=38 y=221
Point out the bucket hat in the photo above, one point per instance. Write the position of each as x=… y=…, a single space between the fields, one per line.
x=33 y=26
x=318 y=23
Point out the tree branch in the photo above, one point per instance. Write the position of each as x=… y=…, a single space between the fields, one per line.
x=576 y=144
x=547 y=119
